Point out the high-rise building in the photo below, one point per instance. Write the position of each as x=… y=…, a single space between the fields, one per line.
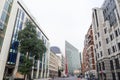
x=106 y=30
x=13 y=15
x=88 y=55
x=73 y=58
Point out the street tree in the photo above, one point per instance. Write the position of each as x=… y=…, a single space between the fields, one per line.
x=40 y=49
x=30 y=45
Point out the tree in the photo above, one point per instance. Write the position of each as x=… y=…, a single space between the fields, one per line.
x=40 y=49
x=27 y=38
x=30 y=45
x=25 y=67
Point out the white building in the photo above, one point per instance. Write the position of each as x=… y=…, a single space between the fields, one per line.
x=58 y=52
x=13 y=15
x=53 y=65
x=106 y=30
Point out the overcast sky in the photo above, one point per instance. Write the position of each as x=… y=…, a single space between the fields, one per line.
x=64 y=19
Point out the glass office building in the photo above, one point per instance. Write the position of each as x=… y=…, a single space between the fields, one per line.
x=13 y=15
x=72 y=57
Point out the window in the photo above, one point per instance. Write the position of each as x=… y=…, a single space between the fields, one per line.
x=99 y=66
x=101 y=53
x=119 y=31
x=117 y=64
x=111 y=37
x=95 y=50
x=23 y=15
x=119 y=46
x=1 y=41
x=96 y=58
x=97 y=46
x=1 y=25
x=6 y=6
x=105 y=30
x=113 y=75
x=98 y=34
x=98 y=55
x=3 y=17
x=113 y=48
x=111 y=65
x=96 y=18
x=107 y=41
x=103 y=66
x=109 y=51
x=99 y=43
x=10 y=1
x=39 y=34
x=118 y=74
x=116 y=33
x=42 y=38
x=95 y=37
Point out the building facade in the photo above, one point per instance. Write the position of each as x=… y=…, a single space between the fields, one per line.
x=58 y=52
x=13 y=16
x=72 y=57
x=106 y=30
x=53 y=65
x=88 y=55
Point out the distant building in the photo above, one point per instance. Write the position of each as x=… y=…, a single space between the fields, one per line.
x=53 y=65
x=58 y=52
x=13 y=15
x=88 y=55
x=72 y=57
x=106 y=30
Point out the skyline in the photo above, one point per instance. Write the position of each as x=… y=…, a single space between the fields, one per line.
x=66 y=22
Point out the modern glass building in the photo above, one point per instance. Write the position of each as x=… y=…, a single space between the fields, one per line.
x=72 y=57
x=13 y=16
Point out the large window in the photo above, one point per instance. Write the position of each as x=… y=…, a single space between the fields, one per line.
x=4 y=19
x=105 y=30
x=99 y=66
x=119 y=46
x=109 y=51
x=14 y=44
x=103 y=66
x=111 y=37
x=113 y=75
x=113 y=48
x=3 y=16
x=117 y=65
x=111 y=65
x=96 y=18
x=101 y=53
x=107 y=40
x=99 y=43
x=118 y=74
x=116 y=33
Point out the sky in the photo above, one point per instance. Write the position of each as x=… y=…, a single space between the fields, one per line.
x=64 y=19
